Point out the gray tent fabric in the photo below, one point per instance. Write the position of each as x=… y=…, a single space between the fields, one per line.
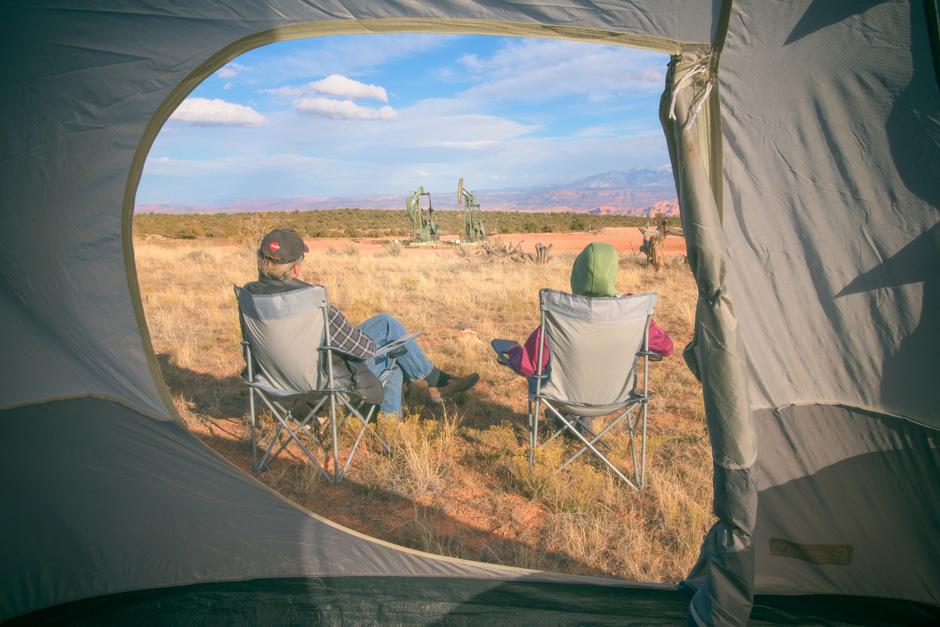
x=808 y=188
x=797 y=348
x=844 y=189
x=848 y=500
x=829 y=203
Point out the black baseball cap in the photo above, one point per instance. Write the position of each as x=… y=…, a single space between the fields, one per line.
x=282 y=246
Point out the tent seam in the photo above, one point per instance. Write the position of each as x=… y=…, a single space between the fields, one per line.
x=865 y=408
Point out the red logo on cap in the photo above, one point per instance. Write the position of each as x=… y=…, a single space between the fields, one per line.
x=273 y=246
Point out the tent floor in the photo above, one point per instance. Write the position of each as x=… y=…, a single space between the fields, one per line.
x=416 y=600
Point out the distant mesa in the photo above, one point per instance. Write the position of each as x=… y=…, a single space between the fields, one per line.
x=637 y=178
x=637 y=192
x=661 y=207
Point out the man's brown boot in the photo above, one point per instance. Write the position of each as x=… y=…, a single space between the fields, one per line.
x=453 y=386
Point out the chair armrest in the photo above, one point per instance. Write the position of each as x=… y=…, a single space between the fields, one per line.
x=398 y=352
x=502 y=348
x=653 y=356
x=395 y=346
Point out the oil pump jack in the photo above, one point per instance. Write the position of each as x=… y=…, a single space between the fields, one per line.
x=473 y=229
x=423 y=228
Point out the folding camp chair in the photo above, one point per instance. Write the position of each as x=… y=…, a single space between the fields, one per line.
x=287 y=336
x=596 y=346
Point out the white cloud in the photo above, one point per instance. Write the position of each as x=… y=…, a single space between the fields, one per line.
x=335 y=85
x=471 y=61
x=341 y=87
x=342 y=109
x=283 y=91
x=224 y=178
x=231 y=70
x=228 y=86
x=538 y=70
x=217 y=112
x=433 y=124
x=350 y=55
x=470 y=144
x=242 y=165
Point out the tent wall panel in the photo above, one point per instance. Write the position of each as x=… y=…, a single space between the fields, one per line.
x=848 y=502
x=830 y=224
x=831 y=203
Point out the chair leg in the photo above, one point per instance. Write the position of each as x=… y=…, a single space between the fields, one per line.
x=300 y=425
x=365 y=424
x=636 y=467
x=372 y=418
x=342 y=463
x=254 y=439
x=267 y=453
x=339 y=473
x=631 y=431
x=528 y=431
x=593 y=449
x=596 y=437
x=333 y=427
x=283 y=426
x=643 y=444
x=534 y=431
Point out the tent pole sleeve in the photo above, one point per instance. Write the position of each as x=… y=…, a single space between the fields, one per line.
x=724 y=575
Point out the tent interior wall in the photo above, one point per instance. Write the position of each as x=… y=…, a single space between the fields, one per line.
x=810 y=204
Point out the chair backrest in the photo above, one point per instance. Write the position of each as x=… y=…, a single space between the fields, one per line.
x=285 y=331
x=594 y=342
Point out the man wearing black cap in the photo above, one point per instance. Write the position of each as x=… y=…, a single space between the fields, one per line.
x=279 y=258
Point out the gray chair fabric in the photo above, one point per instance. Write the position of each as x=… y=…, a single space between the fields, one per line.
x=286 y=337
x=595 y=345
x=594 y=342
x=285 y=331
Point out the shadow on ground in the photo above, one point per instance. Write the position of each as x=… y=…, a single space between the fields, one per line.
x=219 y=404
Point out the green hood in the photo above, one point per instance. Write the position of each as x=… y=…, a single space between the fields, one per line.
x=594 y=272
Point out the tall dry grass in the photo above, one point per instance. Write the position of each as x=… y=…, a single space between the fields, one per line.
x=459 y=483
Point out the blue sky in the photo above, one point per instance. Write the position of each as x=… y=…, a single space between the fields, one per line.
x=382 y=114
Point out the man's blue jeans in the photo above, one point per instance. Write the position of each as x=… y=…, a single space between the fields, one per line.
x=413 y=365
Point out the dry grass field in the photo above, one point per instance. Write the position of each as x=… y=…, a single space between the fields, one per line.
x=457 y=481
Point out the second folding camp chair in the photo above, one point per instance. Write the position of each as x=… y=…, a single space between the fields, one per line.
x=287 y=344
x=597 y=345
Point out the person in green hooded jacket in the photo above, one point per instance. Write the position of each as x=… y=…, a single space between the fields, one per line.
x=594 y=273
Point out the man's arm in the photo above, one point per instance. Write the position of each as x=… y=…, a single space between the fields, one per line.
x=347 y=339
